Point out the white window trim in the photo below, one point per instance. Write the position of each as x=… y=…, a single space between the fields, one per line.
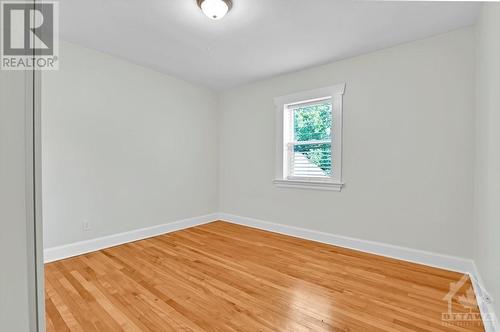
x=335 y=183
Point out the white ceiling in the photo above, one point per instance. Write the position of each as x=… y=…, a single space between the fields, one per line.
x=258 y=38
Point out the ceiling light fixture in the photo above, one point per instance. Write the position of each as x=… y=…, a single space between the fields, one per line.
x=215 y=9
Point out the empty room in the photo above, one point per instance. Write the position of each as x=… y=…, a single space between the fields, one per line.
x=250 y=165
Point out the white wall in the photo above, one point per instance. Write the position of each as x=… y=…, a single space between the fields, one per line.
x=408 y=147
x=16 y=272
x=487 y=198
x=124 y=147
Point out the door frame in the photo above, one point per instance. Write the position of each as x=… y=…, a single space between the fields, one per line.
x=34 y=193
x=36 y=282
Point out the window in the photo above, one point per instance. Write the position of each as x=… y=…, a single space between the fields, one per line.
x=309 y=139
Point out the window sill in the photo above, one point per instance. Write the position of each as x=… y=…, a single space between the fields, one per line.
x=315 y=185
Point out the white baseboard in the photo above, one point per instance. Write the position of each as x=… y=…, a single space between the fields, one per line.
x=407 y=254
x=82 y=247
x=412 y=255
x=491 y=323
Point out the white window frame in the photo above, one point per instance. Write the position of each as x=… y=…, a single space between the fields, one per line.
x=283 y=103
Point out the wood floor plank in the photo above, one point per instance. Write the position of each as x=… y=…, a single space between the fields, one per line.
x=226 y=277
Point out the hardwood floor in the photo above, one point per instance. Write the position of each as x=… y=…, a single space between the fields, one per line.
x=225 y=277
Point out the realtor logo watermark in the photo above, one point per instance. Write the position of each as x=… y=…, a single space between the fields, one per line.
x=29 y=35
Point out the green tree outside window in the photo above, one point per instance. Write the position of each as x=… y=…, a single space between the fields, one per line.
x=313 y=123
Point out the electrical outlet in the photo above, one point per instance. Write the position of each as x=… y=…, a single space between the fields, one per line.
x=86 y=226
